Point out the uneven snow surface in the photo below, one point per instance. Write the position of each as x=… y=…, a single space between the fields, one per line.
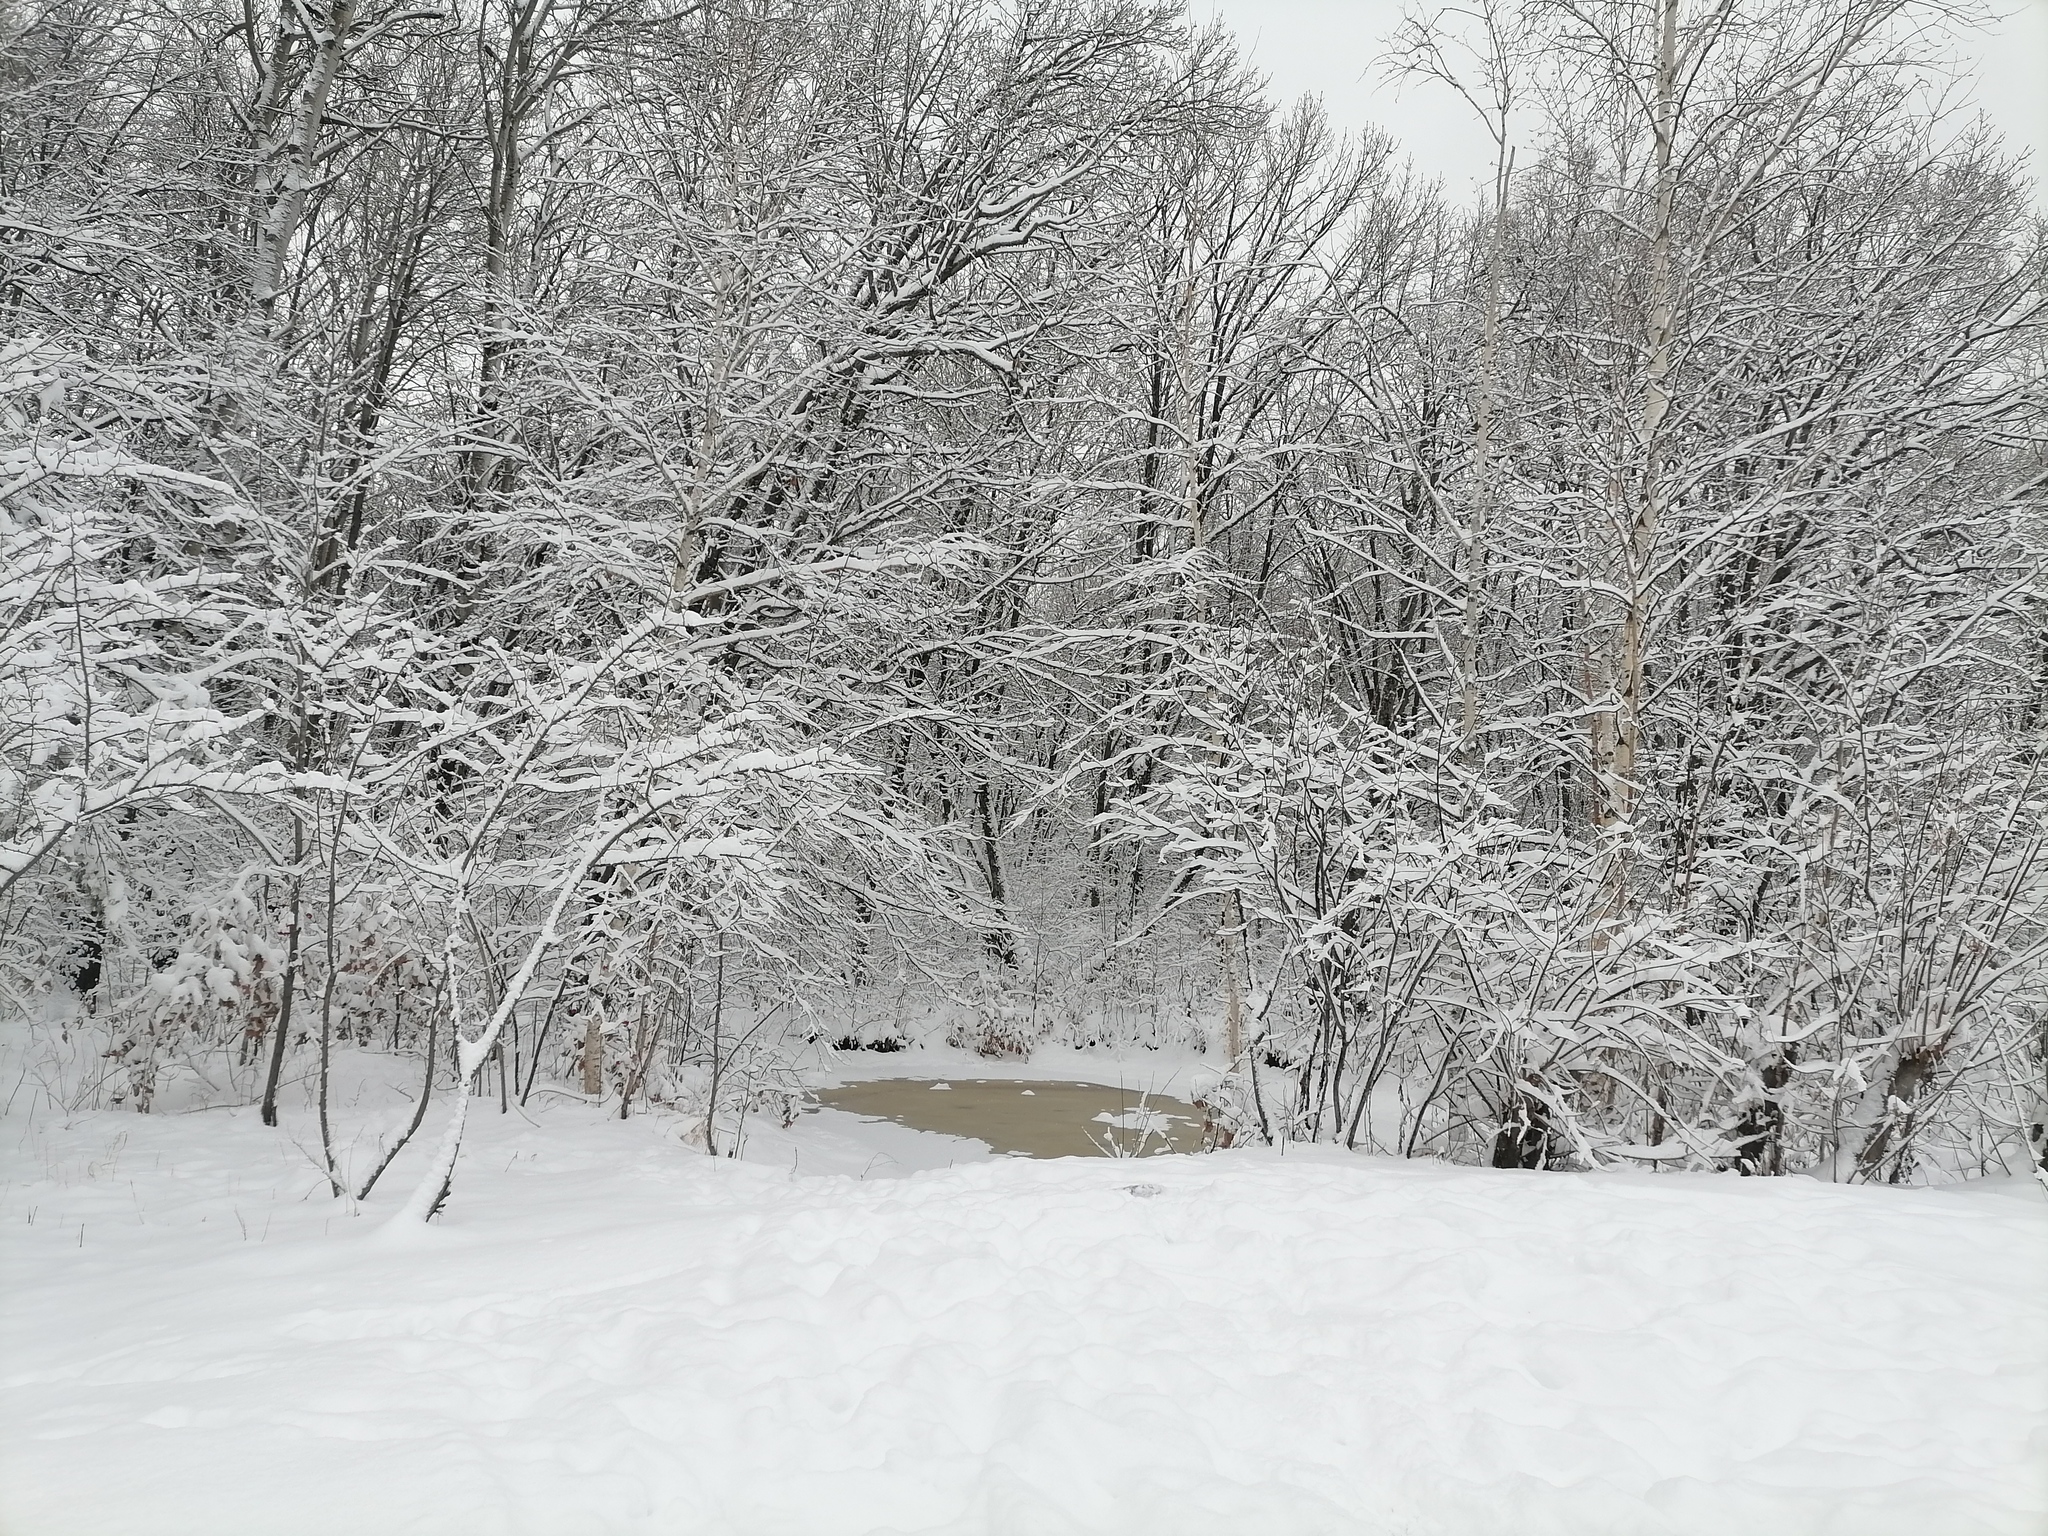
x=607 y=1333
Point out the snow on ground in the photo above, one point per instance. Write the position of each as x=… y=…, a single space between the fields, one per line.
x=610 y=1332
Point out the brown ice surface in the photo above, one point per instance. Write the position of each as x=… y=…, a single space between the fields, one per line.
x=1024 y=1118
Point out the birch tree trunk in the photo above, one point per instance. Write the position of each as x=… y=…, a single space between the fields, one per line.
x=288 y=168
x=1619 y=739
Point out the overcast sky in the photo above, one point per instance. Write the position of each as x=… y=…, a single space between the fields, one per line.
x=1329 y=48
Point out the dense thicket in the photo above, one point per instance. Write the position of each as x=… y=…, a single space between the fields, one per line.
x=593 y=541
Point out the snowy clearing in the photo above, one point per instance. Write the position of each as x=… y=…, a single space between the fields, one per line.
x=608 y=1333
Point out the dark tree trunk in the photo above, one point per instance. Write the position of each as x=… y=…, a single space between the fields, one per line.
x=1523 y=1140
x=1759 y=1134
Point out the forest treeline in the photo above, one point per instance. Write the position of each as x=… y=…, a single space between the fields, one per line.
x=595 y=541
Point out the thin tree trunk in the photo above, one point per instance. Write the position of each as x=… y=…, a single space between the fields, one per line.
x=1478 y=515
x=1619 y=732
x=1230 y=956
x=1640 y=547
x=717 y=1020
x=593 y=1052
x=291 y=978
x=1002 y=943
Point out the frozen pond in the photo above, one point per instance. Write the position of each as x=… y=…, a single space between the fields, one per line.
x=1029 y=1119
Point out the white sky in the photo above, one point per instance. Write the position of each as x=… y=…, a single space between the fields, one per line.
x=1330 y=48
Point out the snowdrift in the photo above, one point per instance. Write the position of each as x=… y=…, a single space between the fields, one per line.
x=607 y=1334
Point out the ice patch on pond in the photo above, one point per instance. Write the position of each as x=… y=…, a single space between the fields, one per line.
x=1149 y=1122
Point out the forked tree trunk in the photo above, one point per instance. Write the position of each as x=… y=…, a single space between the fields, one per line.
x=1893 y=1135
